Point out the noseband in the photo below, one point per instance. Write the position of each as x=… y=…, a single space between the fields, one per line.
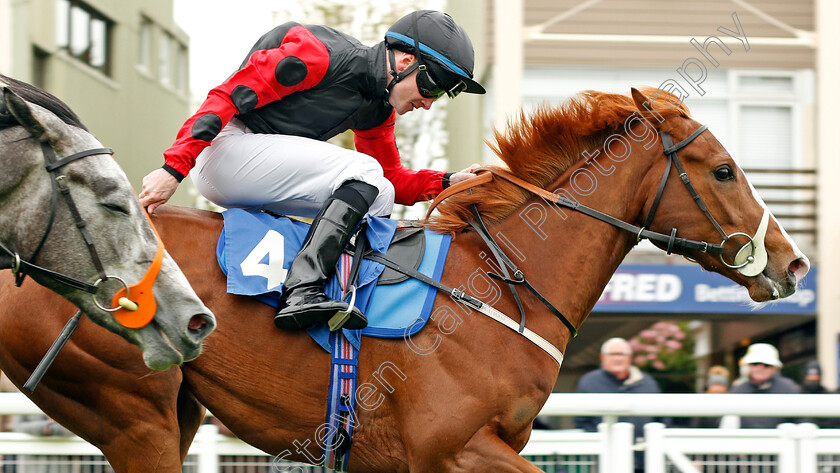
x=21 y=267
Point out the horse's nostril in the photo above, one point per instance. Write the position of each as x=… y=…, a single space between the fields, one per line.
x=197 y=323
x=796 y=265
x=798 y=268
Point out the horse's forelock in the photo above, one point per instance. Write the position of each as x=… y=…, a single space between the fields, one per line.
x=541 y=145
x=39 y=97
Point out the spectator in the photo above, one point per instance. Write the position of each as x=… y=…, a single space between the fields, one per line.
x=717 y=382
x=812 y=379
x=618 y=375
x=812 y=384
x=762 y=360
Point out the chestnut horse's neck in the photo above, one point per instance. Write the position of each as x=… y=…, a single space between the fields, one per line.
x=568 y=256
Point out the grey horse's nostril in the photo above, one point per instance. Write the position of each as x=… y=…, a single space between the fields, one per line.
x=197 y=324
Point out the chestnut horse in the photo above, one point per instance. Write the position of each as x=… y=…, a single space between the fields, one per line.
x=70 y=220
x=461 y=395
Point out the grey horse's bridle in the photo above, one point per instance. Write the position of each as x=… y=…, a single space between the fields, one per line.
x=21 y=267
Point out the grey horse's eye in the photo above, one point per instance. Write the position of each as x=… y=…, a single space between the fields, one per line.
x=116 y=208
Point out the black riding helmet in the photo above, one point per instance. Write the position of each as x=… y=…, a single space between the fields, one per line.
x=444 y=52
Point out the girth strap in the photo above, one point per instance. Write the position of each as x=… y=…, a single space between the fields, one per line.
x=466 y=299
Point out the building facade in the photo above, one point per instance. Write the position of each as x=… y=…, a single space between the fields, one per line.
x=121 y=65
x=759 y=73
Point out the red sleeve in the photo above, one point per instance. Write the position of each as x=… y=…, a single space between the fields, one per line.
x=410 y=186
x=299 y=63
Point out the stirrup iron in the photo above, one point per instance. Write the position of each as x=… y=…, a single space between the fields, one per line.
x=341 y=317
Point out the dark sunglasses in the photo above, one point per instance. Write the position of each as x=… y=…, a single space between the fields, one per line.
x=430 y=89
x=764 y=365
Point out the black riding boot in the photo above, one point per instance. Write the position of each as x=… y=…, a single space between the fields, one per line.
x=303 y=296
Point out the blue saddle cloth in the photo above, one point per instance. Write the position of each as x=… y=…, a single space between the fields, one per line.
x=255 y=251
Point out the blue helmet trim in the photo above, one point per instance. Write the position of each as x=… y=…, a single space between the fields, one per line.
x=431 y=52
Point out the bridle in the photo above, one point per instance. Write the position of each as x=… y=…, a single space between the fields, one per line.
x=742 y=260
x=749 y=260
x=125 y=310
x=670 y=241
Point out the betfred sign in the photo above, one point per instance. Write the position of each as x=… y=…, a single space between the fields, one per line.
x=688 y=289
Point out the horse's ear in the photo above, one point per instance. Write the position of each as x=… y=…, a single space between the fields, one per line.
x=22 y=113
x=645 y=108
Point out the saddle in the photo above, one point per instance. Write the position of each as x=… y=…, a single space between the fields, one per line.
x=406 y=250
x=255 y=248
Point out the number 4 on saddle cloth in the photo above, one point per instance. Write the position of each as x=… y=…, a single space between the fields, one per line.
x=256 y=249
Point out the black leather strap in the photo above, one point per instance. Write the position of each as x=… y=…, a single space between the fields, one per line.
x=10 y=260
x=504 y=262
x=671 y=151
x=82 y=154
x=22 y=267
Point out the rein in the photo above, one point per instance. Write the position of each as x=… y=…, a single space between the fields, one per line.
x=671 y=240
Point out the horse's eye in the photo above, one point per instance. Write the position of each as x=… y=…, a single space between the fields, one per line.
x=116 y=208
x=724 y=173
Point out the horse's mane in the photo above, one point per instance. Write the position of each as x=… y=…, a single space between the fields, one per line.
x=32 y=94
x=539 y=147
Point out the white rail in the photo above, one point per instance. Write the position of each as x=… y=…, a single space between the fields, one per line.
x=593 y=404
x=793 y=448
x=693 y=405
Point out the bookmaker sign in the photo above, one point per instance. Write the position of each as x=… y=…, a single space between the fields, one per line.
x=687 y=289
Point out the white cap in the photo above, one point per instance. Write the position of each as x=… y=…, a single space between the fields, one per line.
x=762 y=353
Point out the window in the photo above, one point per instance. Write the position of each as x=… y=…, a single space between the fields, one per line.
x=165 y=58
x=762 y=117
x=181 y=68
x=766 y=137
x=144 y=56
x=84 y=34
x=39 y=67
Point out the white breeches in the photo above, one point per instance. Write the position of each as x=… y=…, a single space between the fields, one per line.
x=285 y=174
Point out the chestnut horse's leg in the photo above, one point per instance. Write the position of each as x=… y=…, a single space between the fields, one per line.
x=485 y=451
x=98 y=386
x=190 y=416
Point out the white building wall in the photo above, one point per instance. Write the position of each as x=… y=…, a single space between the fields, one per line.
x=5 y=36
x=828 y=122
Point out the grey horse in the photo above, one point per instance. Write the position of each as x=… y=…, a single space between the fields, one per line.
x=36 y=221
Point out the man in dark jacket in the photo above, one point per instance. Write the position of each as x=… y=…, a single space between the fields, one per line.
x=812 y=384
x=618 y=375
x=763 y=361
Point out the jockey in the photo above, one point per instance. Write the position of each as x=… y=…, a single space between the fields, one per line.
x=258 y=140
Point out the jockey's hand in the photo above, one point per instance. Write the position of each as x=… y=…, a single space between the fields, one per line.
x=158 y=187
x=463 y=175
